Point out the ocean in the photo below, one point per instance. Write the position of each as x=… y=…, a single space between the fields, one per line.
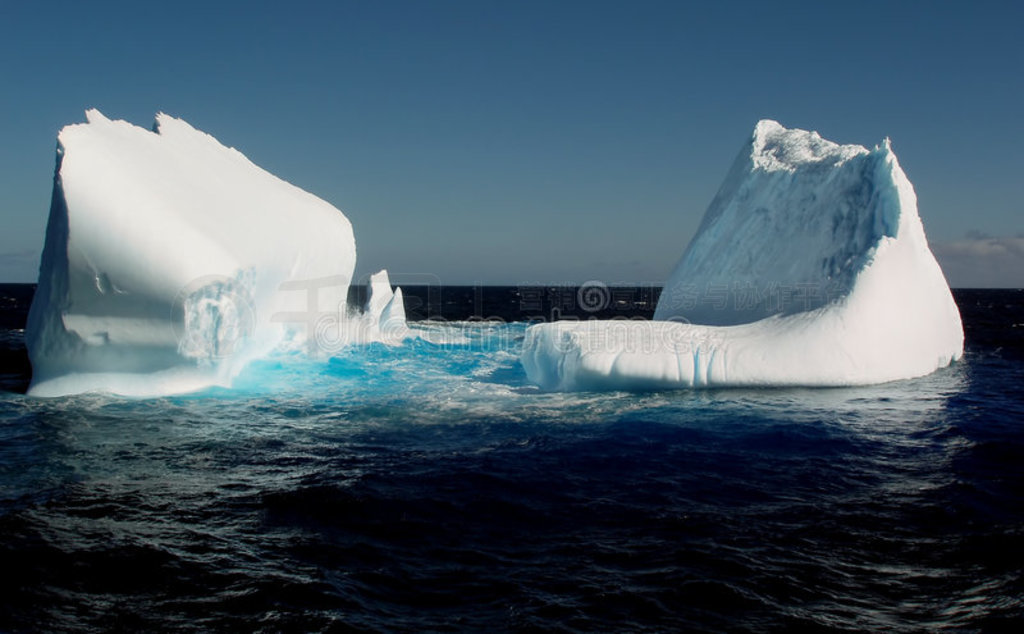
x=430 y=487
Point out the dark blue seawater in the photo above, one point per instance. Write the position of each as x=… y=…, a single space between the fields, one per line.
x=429 y=487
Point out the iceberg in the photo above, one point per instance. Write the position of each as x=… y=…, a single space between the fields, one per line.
x=382 y=319
x=385 y=309
x=171 y=261
x=810 y=268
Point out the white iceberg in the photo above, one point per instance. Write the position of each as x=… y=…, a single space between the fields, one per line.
x=171 y=261
x=385 y=310
x=810 y=268
x=382 y=319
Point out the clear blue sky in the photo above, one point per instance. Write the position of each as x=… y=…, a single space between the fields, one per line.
x=512 y=141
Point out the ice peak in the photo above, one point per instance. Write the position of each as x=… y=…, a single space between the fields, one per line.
x=165 y=124
x=773 y=147
x=766 y=127
x=93 y=115
x=160 y=116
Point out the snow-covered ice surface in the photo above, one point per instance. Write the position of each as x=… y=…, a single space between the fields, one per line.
x=171 y=261
x=810 y=268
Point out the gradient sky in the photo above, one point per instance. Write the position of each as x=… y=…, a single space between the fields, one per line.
x=532 y=142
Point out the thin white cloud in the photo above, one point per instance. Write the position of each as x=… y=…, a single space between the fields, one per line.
x=980 y=261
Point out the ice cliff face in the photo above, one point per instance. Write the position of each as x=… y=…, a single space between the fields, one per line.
x=171 y=260
x=810 y=267
x=795 y=221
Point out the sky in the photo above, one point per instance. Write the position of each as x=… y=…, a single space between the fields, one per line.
x=516 y=142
